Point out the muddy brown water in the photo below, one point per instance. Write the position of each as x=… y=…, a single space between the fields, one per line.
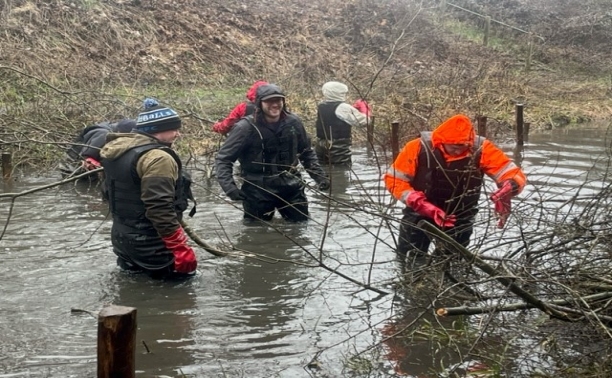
x=252 y=317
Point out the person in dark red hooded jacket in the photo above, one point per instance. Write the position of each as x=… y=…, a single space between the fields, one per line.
x=439 y=177
x=241 y=110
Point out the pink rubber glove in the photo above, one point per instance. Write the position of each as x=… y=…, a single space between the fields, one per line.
x=184 y=257
x=502 y=202
x=363 y=107
x=419 y=203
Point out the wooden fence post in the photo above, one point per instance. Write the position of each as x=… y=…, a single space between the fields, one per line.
x=529 y=52
x=7 y=165
x=485 y=40
x=526 y=128
x=482 y=126
x=117 y=342
x=370 y=132
x=519 y=124
x=395 y=139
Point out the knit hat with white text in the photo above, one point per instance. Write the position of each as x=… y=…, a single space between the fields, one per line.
x=157 y=119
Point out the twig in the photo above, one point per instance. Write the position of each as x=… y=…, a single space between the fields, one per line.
x=81 y=311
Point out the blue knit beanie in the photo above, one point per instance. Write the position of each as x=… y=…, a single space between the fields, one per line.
x=157 y=118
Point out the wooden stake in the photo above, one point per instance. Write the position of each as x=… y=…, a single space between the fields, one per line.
x=395 y=139
x=7 y=165
x=519 y=124
x=482 y=126
x=370 y=132
x=529 y=52
x=117 y=342
x=485 y=40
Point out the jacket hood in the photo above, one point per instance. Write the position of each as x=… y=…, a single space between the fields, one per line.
x=456 y=130
x=117 y=144
x=124 y=126
x=252 y=92
x=334 y=91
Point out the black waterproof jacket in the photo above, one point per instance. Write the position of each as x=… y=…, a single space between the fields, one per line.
x=266 y=150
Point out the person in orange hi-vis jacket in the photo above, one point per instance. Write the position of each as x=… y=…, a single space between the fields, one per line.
x=439 y=177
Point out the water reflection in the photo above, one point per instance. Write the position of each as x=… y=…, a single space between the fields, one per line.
x=266 y=284
x=259 y=300
x=340 y=178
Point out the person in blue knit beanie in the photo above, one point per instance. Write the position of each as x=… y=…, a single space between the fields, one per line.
x=147 y=194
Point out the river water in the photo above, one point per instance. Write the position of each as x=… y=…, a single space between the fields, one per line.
x=273 y=313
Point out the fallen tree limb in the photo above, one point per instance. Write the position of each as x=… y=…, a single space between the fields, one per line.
x=58 y=183
x=199 y=241
x=475 y=310
x=504 y=278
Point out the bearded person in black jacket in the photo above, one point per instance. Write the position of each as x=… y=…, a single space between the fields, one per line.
x=269 y=145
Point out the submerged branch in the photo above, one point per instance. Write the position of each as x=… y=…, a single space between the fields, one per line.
x=501 y=277
x=52 y=185
x=475 y=310
x=199 y=241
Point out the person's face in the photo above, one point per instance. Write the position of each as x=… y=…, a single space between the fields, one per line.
x=272 y=108
x=455 y=149
x=168 y=136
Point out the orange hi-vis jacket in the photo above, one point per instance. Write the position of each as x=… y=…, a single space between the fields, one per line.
x=399 y=179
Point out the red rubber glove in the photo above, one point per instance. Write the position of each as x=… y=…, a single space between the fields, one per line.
x=501 y=200
x=184 y=257
x=363 y=107
x=218 y=127
x=419 y=203
x=91 y=164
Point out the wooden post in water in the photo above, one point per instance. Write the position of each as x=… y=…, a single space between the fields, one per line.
x=117 y=342
x=519 y=124
x=7 y=165
x=395 y=139
x=482 y=126
x=370 y=133
x=526 y=125
x=485 y=39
